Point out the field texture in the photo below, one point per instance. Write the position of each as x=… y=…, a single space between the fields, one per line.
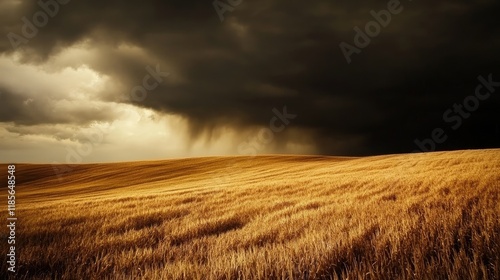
x=415 y=216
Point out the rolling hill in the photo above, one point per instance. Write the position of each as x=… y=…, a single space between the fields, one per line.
x=411 y=216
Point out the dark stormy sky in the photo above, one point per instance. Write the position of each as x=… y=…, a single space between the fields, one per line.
x=68 y=72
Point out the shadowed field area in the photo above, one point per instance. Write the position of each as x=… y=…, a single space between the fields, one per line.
x=414 y=216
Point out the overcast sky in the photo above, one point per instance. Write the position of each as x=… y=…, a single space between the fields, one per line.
x=86 y=81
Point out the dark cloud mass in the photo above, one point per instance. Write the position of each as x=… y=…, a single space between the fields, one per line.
x=268 y=54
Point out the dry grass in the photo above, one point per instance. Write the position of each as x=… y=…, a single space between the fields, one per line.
x=418 y=216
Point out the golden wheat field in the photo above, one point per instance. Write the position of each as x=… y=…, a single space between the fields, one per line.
x=414 y=216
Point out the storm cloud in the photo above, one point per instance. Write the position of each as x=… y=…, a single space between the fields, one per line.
x=264 y=55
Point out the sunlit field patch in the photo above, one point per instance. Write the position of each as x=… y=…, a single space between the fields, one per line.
x=416 y=216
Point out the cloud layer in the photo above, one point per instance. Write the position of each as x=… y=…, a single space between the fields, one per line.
x=81 y=66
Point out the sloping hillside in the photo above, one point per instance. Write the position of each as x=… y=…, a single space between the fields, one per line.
x=414 y=216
